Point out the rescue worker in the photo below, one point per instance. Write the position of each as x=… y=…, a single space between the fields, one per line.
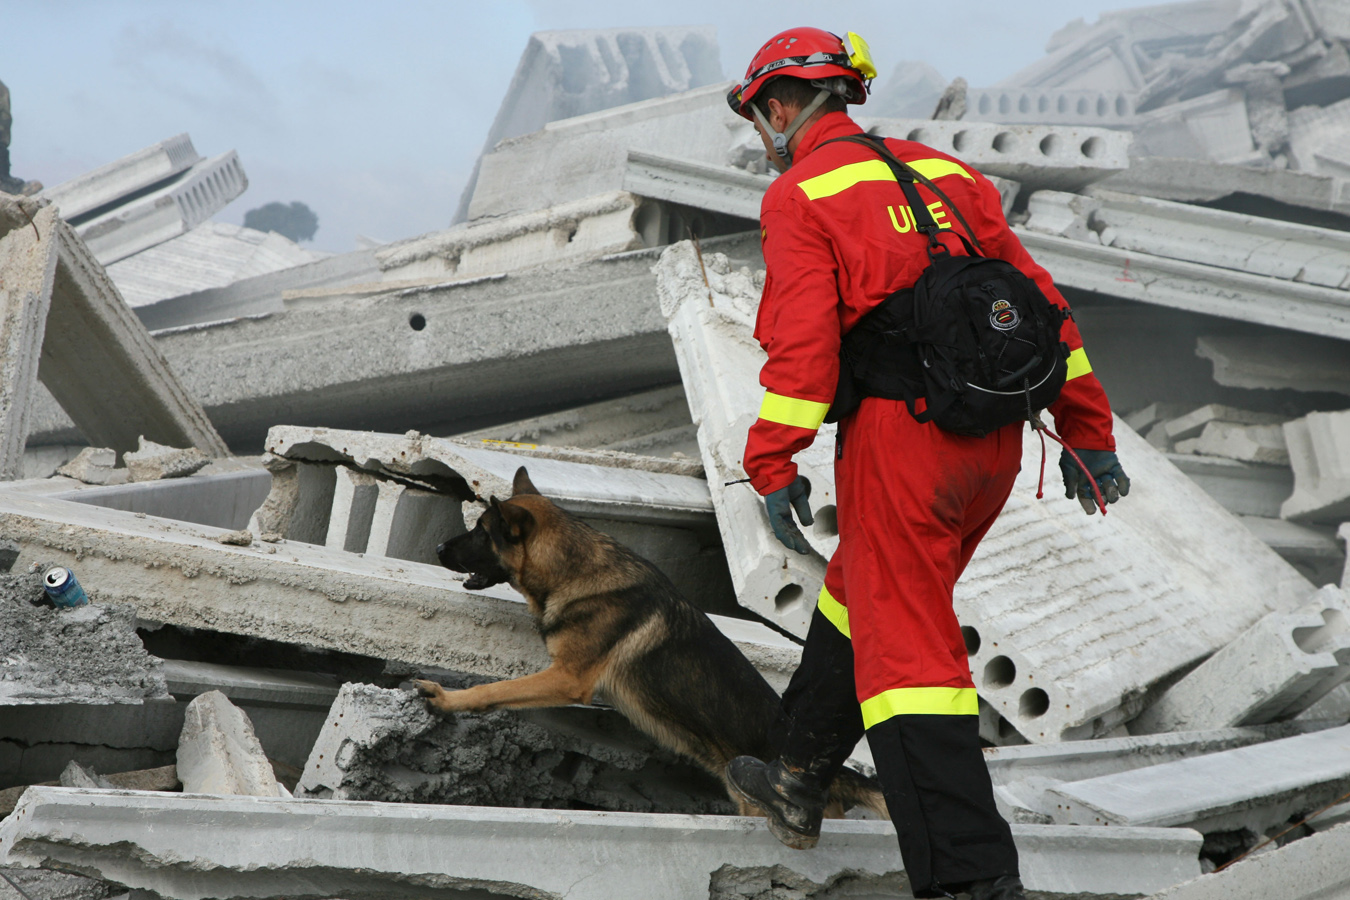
x=884 y=653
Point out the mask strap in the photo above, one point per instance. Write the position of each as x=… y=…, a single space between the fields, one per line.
x=780 y=139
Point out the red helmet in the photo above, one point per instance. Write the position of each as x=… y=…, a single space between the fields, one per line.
x=808 y=53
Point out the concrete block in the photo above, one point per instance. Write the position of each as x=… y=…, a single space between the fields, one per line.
x=162 y=214
x=354 y=497
x=384 y=745
x=1275 y=670
x=1317 y=136
x=1311 y=549
x=1044 y=576
x=653 y=423
x=703 y=185
x=177 y=574
x=720 y=363
x=1062 y=213
x=257 y=295
x=1141 y=420
x=1196 y=421
x=27 y=273
x=1244 y=443
x=151 y=461
x=116 y=181
x=1319 y=451
x=1052 y=106
x=539 y=341
x=1299 y=362
x=1307 y=869
x=223 y=499
x=88 y=654
x=1241 y=488
x=564 y=74
x=615 y=486
x=218 y=752
x=1040 y=157
x=77 y=776
x=1213 y=126
x=255 y=847
x=582 y=229
x=1247 y=787
x=212 y=255
x=95 y=465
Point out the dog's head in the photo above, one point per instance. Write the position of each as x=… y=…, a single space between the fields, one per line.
x=492 y=552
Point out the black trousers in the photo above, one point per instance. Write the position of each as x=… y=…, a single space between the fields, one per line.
x=931 y=769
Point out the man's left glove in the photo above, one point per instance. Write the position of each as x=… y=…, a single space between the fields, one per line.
x=780 y=505
x=1106 y=471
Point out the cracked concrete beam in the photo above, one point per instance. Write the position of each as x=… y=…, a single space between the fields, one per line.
x=27 y=272
x=119 y=178
x=253 y=847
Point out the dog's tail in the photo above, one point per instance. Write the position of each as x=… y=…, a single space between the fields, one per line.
x=851 y=788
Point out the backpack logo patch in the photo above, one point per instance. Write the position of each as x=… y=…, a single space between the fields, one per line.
x=1004 y=316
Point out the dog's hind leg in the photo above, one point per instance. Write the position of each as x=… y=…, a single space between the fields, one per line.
x=552 y=687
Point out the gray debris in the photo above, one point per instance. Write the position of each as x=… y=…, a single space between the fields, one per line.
x=151 y=461
x=218 y=752
x=95 y=465
x=89 y=654
x=384 y=745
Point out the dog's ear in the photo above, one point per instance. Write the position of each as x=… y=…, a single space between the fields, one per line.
x=522 y=483
x=517 y=522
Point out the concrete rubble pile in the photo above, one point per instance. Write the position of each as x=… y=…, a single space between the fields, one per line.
x=1162 y=691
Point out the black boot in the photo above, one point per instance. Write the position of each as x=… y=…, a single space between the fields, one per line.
x=793 y=805
x=1004 y=887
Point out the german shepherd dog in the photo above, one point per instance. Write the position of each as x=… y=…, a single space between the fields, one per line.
x=614 y=624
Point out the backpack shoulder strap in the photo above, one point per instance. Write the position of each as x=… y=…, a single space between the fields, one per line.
x=897 y=165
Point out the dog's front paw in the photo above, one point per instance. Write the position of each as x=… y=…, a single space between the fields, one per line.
x=429 y=689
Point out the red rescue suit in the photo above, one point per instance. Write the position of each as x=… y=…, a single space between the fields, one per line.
x=913 y=500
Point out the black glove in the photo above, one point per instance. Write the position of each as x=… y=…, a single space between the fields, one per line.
x=780 y=505
x=1105 y=467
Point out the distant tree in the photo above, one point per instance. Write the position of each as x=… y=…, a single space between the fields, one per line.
x=295 y=221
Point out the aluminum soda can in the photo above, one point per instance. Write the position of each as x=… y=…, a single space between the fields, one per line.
x=63 y=587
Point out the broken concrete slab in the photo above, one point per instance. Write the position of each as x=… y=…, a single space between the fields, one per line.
x=1312 y=549
x=469 y=471
x=94 y=465
x=563 y=74
x=1245 y=443
x=1039 y=157
x=162 y=778
x=718 y=188
x=218 y=753
x=212 y=255
x=1246 y=787
x=97 y=359
x=654 y=423
x=582 y=229
x=164 y=213
x=176 y=573
x=1213 y=127
x=1319 y=452
x=1109 y=108
x=1195 y=180
x=255 y=847
x=87 y=654
x=27 y=274
x=492 y=350
x=719 y=362
x=121 y=178
x=220 y=495
x=1310 y=868
x=385 y=745
x=151 y=461
x=1273 y=671
x=1300 y=362
x=1024 y=631
x=1192 y=423
x=1241 y=488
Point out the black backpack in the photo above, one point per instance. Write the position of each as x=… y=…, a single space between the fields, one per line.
x=974 y=337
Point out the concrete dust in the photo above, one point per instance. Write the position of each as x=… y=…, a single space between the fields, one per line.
x=89 y=654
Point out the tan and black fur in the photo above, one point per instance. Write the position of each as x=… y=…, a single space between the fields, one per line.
x=615 y=625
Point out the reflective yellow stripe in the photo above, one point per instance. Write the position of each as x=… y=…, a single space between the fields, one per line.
x=791 y=411
x=920 y=701
x=845 y=177
x=1078 y=364
x=835 y=611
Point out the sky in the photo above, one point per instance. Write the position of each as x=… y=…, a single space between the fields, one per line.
x=373 y=114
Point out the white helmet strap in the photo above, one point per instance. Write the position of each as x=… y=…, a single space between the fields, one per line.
x=780 y=139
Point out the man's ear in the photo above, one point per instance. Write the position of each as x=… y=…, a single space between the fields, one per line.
x=522 y=483
x=517 y=522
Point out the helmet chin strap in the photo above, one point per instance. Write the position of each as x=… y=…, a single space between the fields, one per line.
x=780 y=139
